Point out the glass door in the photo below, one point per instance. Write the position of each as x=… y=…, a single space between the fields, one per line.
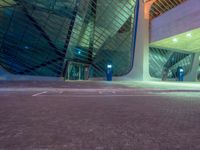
x=77 y=71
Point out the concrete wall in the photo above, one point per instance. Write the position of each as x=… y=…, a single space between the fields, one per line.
x=180 y=19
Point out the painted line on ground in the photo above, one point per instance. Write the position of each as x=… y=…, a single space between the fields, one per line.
x=37 y=94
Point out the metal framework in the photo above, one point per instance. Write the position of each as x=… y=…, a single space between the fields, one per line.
x=39 y=37
x=161 y=6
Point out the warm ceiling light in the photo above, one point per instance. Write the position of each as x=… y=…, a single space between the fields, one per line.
x=189 y=35
x=175 y=40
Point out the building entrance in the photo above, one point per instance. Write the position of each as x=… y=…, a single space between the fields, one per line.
x=77 y=71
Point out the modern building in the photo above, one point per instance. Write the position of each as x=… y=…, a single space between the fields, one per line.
x=77 y=39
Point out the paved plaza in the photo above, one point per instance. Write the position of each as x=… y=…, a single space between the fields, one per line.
x=97 y=116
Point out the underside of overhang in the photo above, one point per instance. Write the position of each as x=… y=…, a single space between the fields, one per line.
x=187 y=41
x=159 y=7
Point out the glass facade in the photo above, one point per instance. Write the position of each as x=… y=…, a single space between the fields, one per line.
x=163 y=63
x=77 y=39
x=48 y=37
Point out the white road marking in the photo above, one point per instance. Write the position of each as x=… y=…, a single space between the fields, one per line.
x=37 y=94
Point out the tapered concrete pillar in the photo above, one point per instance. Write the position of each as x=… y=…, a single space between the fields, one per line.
x=192 y=75
x=140 y=70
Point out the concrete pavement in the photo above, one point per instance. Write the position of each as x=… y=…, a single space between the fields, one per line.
x=99 y=116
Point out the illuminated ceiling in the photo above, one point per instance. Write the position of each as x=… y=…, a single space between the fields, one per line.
x=188 y=41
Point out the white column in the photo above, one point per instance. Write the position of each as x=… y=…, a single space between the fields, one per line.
x=192 y=75
x=140 y=70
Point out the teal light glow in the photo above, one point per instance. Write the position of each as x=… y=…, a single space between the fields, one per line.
x=109 y=66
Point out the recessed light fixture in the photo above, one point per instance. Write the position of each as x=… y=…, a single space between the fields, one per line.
x=175 y=40
x=189 y=34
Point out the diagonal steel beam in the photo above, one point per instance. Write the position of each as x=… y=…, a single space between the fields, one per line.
x=60 y=55
x=174 y=59
x=91 y=14
x=43 y=33
x=92 y=34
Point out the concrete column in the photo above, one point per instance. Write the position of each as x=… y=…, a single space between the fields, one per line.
x=192 y=75
x=140 y=70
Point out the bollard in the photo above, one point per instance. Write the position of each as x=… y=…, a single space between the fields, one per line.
x=180 y=73
x=109 y=72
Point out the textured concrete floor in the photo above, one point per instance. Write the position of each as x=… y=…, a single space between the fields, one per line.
x=98 y=120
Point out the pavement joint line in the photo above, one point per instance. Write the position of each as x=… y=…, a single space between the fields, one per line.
x=101 y=90
x=81 y=96
x=37 y=94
